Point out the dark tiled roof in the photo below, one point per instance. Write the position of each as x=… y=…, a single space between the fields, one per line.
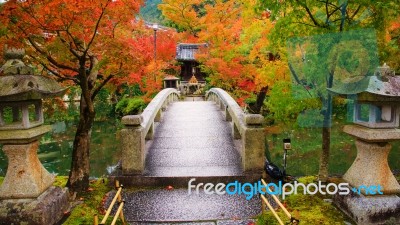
x=187 y=52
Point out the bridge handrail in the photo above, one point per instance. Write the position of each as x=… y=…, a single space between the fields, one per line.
x=247 y=127
x=150 y=112
x=235 y=111
x=139 y=128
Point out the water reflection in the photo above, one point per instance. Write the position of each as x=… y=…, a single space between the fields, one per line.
x=56 y=147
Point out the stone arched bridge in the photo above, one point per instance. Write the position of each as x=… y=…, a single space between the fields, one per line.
x=211 y=139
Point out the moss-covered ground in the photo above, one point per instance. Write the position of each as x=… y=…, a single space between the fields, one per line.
x=85 y=206
x=309 y=209
x=88 y=204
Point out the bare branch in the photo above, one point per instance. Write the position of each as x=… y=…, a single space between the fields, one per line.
x=307 y=24
x=53 y=72
x=309 y=13
x=355 y=12
x=48 y=57
x=103 y=83
x=296 y=77
x=96 y=29
x=329 y=3
x=69 y=45
x=332 y=12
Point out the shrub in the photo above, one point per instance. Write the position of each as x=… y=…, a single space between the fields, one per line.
x=130 y=106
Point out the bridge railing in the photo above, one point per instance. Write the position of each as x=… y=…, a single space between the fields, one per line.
x=139 y=128
x=246 y=127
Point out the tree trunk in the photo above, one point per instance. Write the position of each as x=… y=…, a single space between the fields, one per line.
x=260 y=99
x=324 y=159
x=78 y=180
x=326 y=139
x=256 y=107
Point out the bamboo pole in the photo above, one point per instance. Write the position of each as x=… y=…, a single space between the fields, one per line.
x=111 y=206
x=117 y=213
x=272 y=210
x=118 y=185
x=263 y=206
x=121 y=215
x=96 y=219
x=277 y=200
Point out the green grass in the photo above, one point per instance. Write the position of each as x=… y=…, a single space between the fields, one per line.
x=309 y=209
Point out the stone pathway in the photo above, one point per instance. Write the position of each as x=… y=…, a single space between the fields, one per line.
x=177 y=207
x=192 y=140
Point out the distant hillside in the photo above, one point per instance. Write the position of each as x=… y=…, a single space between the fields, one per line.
x=150 y=12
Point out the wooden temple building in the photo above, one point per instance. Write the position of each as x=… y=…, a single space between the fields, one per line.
x=191 y=79
x=186 y=55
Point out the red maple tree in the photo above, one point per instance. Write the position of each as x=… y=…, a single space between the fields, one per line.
x=81 y=42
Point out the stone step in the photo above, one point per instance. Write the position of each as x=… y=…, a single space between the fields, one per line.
x=182 y=181
x=161 y=206
x=217 y=222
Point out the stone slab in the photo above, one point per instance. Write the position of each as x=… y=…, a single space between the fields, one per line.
x=178 y=223
x=193 y=157
x=192 y=139
x=217 y=222
x=132 y=120
x=372 y=135
x=23 y=136
x=174 y=206
x=375 y=210
x=182 y=181
x=194 y=171
x=254 y=119
x=47 y=209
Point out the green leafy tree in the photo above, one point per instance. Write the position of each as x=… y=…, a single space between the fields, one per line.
x=313 y=69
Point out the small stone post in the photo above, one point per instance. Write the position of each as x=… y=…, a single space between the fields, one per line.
x=132 y=144
x=253 y=142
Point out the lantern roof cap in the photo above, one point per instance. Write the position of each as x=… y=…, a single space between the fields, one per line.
x=18 y=82
x=382 y=83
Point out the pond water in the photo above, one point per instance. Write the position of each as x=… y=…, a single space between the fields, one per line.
x=56 y=148
x=304 y=157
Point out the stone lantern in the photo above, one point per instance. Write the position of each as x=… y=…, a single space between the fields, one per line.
x=27 y=185
x=376 y=120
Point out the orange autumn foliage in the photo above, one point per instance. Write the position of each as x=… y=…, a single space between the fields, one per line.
x=239 y=58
